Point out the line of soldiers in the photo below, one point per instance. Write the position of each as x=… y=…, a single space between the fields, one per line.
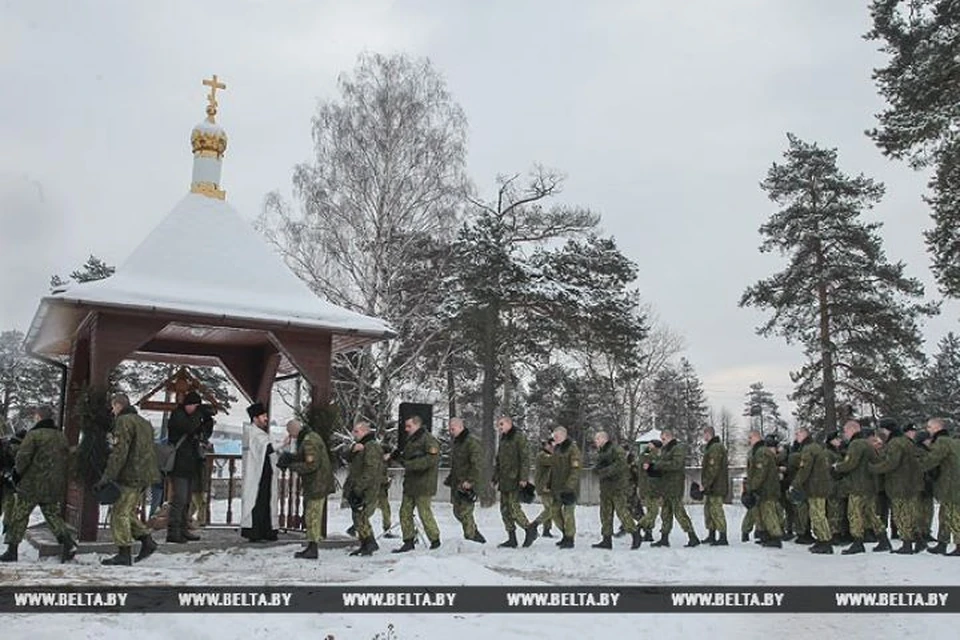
x=843 y=490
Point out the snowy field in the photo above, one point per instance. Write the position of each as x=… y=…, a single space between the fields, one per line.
x=459 y=562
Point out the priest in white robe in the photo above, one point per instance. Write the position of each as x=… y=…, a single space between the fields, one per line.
x=259 y=519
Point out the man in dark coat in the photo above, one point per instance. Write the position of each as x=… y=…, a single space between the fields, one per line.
x=258 y=511
x=185 y=430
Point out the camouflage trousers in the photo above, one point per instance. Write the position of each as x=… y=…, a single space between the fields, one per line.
x=713 y=516
x=788 y=519
x=862 y=514
x=673 y=508
x=198 y=508
x=837 y=514
x=802 y=523
x=751 y=520
x=511 y=512
x=125 y=523
x=21 y=518
x=361 y=519
x=819 y=523
x=463 y=512
x=425 y=511
x=8 y=504
x=649 y=519
x=924 y=516
x=383 y=504
x=546 y=509
x=905 y=517
x=768 y=514
x=565 y=517
x=615 y=502
x=313 y=518
x=949 y=522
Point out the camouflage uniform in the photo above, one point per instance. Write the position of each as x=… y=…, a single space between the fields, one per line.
x=715 y=482
x=312 y=463
x=813 y=478
x=542 y=482
x=944 y=457
x=650 y=492
x=511 y=468
x=861 y=505
x=671 y=467
x=383 y=498
x=41 y=465
x=364 y=477
x=464 y=467
x=9 y=494
x=132 y=465
x=902 y=481
x=797 y=518
x=611 y=468
x=420 y=459
x=565 y=479
x=837 y=498
x=763 y=479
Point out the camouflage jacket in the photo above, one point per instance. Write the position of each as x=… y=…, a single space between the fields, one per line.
x=813 y=470
x=715 y=474
x=900 y=467
x=312 y=463
x=541 y=478
x=513 y=460
x=565 y=472
x=464 y=460
x=42 y=460
x=855 y=466
x=420 y=459
x=133 y=458
x=648 y=485
x=763 y=476
x=612 y=470
x=944 y=458
x=365 y=476
x=840 y=488
x=672 y=469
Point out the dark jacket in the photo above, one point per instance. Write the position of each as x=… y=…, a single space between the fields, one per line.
x=855 y=466
x=763 y=475
x=464 y=461
x=813 y=470
x=513 y=461
x=565 y=471
x=366 y=470
x=612 y=470
x=944 y=460
x=420 y=459
x=195 y=427
x=133 y=458
x=312 y=464
x=715 y=474
x=672 y=466
x=900 y=467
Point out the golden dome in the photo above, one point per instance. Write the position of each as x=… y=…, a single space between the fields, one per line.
x=208 y=139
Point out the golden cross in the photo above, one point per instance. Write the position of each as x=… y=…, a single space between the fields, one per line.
x=214 y=84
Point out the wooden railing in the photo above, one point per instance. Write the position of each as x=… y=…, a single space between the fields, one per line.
x=289 y=509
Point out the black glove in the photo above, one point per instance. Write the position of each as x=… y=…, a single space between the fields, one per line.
x=749 y=499
x=355 y=500
x=527 y=492
x=836 y=475
x=15 y=476
x=654 y=473
x=446 y=481
x=696 y=493
x=796 y=495
x=568 y=498
x=8 y=479
x=467 y=494
x=285 y=460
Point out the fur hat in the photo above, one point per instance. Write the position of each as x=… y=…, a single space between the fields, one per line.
x=256 y=409
x=192 y=398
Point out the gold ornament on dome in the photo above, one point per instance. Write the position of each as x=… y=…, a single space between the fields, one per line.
x=208 y=189
x=214 y=84
x=210 y=142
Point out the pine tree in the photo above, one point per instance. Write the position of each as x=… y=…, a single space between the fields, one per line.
x=922 y=119
x=25 y=382
x=763 y=412
x=942 y=385
x=854 y=313
x=680 y=405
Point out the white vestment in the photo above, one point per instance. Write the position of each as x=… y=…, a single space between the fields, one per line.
x=255 y=443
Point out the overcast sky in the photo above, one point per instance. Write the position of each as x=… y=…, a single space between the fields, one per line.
x=664 y=115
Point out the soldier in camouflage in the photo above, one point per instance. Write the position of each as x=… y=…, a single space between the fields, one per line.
x=861 y=505
x=614 y=475
x=671 y=468
x=464 y=477
x=837 y=499
x=40 y=475
x=363 y=484
x=541 y=481
x=8 y=489
x=649 y=489
x=812 y=480
x=133 y=466
x=383 y=497
x=902 y=481
x=420 y=458
x=565 y=485
x=925 y=501
x=944 y=460
x=763 y=489
x=312 y=463
x=715 y=483
x=511 y=471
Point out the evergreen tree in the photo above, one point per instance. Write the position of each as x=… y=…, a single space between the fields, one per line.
x=25 y=382
x=680 y=405
x=922 y=119
x=762 y=411
x=854 y=312
x=942 y=385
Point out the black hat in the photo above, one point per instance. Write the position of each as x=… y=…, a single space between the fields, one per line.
x=910 y=426
x=771 y=441
x=192 y=398
x=656 y=443
x=887 y=423
x=833 y=435
x=256 y=409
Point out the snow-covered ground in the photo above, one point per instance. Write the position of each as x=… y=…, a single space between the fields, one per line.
x=459 y=562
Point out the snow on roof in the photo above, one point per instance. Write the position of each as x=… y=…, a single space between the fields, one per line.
x=205 y=259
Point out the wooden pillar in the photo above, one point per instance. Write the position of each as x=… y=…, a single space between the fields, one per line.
x=81 y=510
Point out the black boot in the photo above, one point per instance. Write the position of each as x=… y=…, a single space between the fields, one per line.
x=648 y=535
x=773 y=543
x=760 y=537
x=605 y=543
x=10 y=555
x=711 y=538
x=147 y=546
x=174 y=536
x=884 y=542
x=870 y=536
x=367 y=547
x=389 y=534
x=804 y=538
x=121 y=559
x=435 y=544
x=189 y=537
x=721 y=540
x=856 y=547
x=566 y=543
x=745 y=536
x=530 y=534
x=637 y=539
x=906 y=547
x=664 y=541
x=68 y=548
x=309 y=553
x=692 y=540
x=407 y=546
x=821 y=547
x=620 y=532
x=939 y=549
x=477 y=537
x=510 y=542
x=352 y=531
x=788 y=536
x=955 y=552
x=546 y=531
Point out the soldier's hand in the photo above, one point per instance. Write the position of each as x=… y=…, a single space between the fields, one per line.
x=523 y=483
x=357 y=447
x=466 y=486
x=646 y=465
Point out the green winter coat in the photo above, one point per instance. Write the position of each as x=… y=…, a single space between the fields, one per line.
x=841 y=486
x=900 y=467
x=464 y=460
x=763 y=474
x=420 y=460
x=365 y=474
x=611 y=469
x=671 y=466
x=855 y=466
x=542 y=476
x=42 y=461
x=312 y=463
x=565 y=472
x=648 y=485
x=513 y=461
x=813 y=471
x=715 y=474
x=944 y=456
x=133 y=458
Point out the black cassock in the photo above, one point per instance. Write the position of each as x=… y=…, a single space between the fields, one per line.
x=262 y=529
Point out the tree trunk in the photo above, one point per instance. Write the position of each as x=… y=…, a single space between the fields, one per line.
x=489 y=400
x=826 y=351
x=451 y=394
